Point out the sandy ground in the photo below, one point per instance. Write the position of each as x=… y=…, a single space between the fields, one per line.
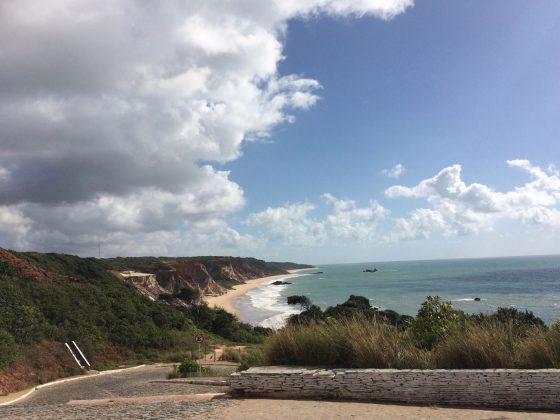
x=316 y=410
x=227 y=301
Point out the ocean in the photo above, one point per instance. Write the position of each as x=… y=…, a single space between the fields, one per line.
x=526 y=283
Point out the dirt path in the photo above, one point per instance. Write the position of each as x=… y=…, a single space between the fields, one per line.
x=319 y=410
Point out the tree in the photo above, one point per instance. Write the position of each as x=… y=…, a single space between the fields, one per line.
x=189 y=295
x=301 y=300
x=435 y=319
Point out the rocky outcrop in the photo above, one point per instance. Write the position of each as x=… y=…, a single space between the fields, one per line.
x=145 y=283
x=22 y=268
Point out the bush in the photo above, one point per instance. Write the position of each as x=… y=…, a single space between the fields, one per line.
x=251 y=357
x=232 y=354
x=435 y=319
x=189 y=367
x=8 y=349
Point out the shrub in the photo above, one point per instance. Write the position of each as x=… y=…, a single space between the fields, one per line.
x=232 y=354
x=301 y=300
x=8 y=349
x=435 y=319
x=189 y=295
x=251 y=357
x=189 y=367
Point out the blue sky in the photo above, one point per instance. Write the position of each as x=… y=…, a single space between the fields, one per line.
x=273 y=129
x=441 y=84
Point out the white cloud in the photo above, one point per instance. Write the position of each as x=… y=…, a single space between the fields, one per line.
x=349 y=221
x=290 y=224
x=293 y=225
x=464 y=209
x=395 y=172
x=108 y=107
x=421 y=224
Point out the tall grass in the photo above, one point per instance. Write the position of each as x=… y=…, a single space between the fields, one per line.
x=476 y=347
x=354 y=342
x=365 y=343
x=541 y=349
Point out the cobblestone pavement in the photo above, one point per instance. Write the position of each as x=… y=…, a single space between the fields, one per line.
x=52 y=402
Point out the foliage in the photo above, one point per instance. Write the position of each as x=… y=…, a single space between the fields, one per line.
x=351 y=342
x=355 y=306
x=540 y=349
x=135 y=263
x=473 y=346
x=439 y=337
x=189 y=295
x=251 y=357
x=436 y=318
x=87 y=303
x=520 y=320
x=188 y=366
x=8 y=349
x=220 y=322
x=302 y=301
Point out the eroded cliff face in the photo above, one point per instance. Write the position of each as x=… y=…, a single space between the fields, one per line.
x=181 y=274
x=145 y=283
x=211 y=275
x=237 y=270
x=193 y=275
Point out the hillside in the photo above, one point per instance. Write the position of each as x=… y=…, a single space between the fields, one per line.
x=49 y=299
x=211 y=275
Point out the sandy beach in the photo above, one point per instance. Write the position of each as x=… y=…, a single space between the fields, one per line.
x=227 y=301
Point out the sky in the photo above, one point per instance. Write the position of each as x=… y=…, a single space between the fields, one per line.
x=319 y=131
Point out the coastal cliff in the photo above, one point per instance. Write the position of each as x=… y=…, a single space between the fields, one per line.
x=190 y=274
x=212 y=276
x=146 y=283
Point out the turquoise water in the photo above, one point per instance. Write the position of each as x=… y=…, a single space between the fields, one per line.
x=531 y=283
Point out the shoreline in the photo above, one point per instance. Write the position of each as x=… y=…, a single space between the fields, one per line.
x=227 y=301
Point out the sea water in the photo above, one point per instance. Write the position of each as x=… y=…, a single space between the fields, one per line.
x=526 y=283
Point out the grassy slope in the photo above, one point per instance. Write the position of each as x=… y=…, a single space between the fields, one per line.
x=82 y=301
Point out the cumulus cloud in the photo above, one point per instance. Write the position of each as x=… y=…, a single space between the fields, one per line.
x=395 y=172
x=107 y=108
x=347 y=220
x=293 y=224
x=421 y=224
x=459 y=209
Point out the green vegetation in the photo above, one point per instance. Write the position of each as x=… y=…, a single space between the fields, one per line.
x=81 y=300
x=246 y=357
x=355 y=305
x=220 y=322
x=354 y=334
x=189 y=368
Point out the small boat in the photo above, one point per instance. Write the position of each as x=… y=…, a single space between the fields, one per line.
x=369 y=270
